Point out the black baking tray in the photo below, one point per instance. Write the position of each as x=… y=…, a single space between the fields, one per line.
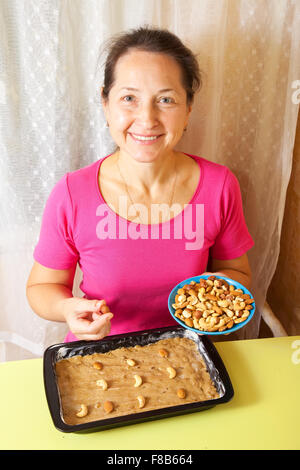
x=56 y=352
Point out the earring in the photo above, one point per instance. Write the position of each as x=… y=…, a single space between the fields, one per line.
x=107 y=125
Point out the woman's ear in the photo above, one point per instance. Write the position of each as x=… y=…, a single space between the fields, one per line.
x=104 y=103
x=101 y=96
x=189 y=110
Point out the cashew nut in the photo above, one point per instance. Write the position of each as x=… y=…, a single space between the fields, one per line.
x=193 y=300
x=83 y=411
x=245 y=314
x=172 y=372
x=141 y=401
x=223 y=303
x=130 y=362
x=186 y=313
x=240 y=306
x=189 y=322
x=138 y=380
x=102 y=384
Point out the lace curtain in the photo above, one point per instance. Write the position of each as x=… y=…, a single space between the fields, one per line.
x=51 y=121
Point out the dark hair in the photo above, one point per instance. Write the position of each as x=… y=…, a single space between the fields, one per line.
x=152 y=39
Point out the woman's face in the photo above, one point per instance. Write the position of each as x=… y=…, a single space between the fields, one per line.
x=147 y=108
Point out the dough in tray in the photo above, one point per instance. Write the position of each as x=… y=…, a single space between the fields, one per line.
x=170 y=372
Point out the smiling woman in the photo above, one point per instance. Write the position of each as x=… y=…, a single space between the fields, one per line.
x=130 y=267
x=150 y=79
x=147 y=119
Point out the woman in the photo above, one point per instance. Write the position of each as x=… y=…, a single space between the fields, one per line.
x=146 y=217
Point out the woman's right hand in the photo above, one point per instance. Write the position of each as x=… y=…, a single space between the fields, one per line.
x=85 y=318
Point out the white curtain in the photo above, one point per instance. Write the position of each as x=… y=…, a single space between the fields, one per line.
x=51 y=121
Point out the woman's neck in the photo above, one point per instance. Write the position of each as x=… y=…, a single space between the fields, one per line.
x=146 y=177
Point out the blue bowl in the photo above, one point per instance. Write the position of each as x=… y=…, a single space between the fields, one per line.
x=237 y=285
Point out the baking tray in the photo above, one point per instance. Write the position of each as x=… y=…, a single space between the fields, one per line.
x=56 y=352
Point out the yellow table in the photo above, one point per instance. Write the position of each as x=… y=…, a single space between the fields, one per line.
x=264 y=413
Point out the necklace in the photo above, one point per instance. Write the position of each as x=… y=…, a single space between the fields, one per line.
x=128 y=193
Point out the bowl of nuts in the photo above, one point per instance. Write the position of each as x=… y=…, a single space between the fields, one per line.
x=211 y=305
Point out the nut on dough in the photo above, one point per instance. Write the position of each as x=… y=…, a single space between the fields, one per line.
x=108 y=406
x=131 y=362
x=102 y=384
x=83 y=411
x=141 y=401
x=98 y=365
x=138 y=380
x=172 y=372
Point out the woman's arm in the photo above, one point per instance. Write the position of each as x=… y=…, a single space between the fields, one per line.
x=46 y=289
x=237 y=269
x=49 y=293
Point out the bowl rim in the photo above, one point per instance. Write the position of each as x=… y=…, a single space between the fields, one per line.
x=206 y=276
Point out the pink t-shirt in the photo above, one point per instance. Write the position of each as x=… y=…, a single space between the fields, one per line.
x=135 y=266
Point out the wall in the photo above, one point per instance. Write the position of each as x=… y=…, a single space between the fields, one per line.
x=284 y=292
